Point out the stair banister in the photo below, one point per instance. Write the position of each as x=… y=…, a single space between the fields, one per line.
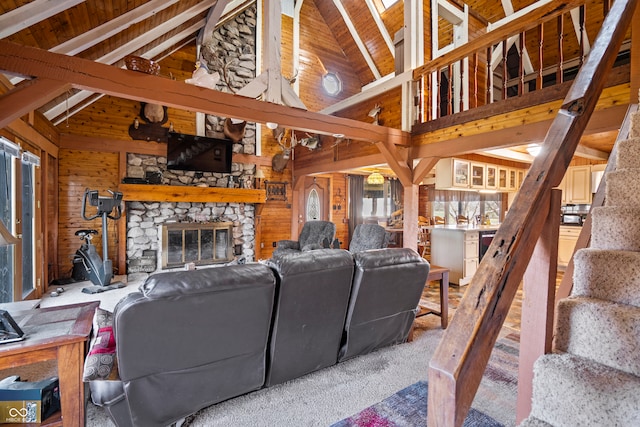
x=458 y=363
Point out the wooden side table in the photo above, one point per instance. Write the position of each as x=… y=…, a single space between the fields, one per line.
x=55 y=333
x=441 y=274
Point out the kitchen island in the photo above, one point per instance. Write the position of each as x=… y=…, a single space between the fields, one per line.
x=459 y=248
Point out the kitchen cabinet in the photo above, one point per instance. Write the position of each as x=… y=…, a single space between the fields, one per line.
x=512 y=184
x=576 y=185
x=492 y=177
x=503 y=179
x=478 y=172
x=458 y=174
x=567 y=238
x=452 y=173
x=456 y=248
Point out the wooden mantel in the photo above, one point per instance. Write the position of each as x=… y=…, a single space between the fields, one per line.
x=179 y=193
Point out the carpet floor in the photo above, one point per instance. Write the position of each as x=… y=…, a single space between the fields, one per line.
x=408 y=408
x=328 y=396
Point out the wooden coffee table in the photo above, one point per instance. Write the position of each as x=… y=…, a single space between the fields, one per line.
x=55 y=333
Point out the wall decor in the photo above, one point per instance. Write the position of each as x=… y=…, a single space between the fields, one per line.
x=276 y=190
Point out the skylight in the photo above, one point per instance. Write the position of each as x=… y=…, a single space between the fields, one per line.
x=388 y=3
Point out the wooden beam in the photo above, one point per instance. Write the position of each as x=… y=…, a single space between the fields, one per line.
x=380 y=24
x=457 y=365
x=22 y=130
x=31 y=13
x=27 y=97
x=90 y=75
x=139 y=42
x=112 y=27
x=179 y=193
x=357 y=39
x=516 y=26
x=396 y=162
x=423 y=168
x=89 y=143
x=604 y=120
x=536 y=332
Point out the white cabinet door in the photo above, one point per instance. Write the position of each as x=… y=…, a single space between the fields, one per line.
x=580 y=179
x=567 y=239
x=576 y=185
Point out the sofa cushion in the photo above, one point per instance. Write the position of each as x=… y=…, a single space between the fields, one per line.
x=101 y=363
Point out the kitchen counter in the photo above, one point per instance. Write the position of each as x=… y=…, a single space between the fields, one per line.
x=457 y=247
x=465 y=227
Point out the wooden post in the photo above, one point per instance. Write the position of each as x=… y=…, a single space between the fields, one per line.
x=536 y=329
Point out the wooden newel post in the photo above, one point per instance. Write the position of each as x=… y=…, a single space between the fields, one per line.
x=536 y=331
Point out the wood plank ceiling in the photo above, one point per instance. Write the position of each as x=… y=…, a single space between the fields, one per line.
x=107 y=31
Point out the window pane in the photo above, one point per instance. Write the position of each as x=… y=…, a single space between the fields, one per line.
x=313 y=206
x=28 y=225
x=6 y=252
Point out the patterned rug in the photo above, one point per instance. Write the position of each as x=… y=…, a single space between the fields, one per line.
x=408 y=407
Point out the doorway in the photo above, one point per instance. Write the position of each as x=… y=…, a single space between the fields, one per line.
x=314 y=206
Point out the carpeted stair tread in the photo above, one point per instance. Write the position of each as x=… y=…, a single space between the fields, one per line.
x=601 y=331
x=618 y=270
x=623 y=188
x=533 y=422
x=615 y=228
x=571 y=391
x=628 y=151
x=634 y=129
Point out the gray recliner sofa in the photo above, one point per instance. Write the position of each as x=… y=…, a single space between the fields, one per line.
x=311 y=303
x=187 y=340
x=386 y=289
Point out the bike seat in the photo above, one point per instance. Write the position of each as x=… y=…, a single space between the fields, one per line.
x=84 y=233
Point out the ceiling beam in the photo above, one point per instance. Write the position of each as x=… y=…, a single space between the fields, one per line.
x=31 y=13
x=110 y=28
x=136 y=44
x=97 y=77
x=29 y=96
x=383 y=30
x=608 y=119
x=356 y=38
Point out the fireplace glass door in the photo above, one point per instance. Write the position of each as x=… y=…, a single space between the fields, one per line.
x=196 y=243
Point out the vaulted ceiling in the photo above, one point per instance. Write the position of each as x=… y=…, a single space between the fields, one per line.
x=107 y=31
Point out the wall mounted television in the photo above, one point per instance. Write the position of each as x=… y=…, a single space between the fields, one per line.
x=198 y=153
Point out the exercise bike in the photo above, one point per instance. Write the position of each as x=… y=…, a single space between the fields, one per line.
x=87 y=264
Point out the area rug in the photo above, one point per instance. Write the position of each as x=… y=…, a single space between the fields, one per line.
x=408 y=408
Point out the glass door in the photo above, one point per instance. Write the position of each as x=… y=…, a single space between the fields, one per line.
x=9 y=152
x=28 y=220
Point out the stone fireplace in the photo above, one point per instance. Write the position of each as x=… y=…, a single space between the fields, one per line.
x=192 y=226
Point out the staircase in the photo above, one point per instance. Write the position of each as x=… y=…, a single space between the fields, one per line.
x=593 y=378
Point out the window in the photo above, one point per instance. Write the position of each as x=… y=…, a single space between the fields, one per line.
x=29 y=164
x=8 y=153
x=331 y=83
x=449 y=204
x=377 y=200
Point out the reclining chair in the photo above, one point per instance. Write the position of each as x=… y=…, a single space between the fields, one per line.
x=314 y=235
x=188 y=340
x=368 y=236
x=386 y=290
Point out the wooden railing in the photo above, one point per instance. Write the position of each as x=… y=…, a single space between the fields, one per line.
x=486 y=83
x=458 y=363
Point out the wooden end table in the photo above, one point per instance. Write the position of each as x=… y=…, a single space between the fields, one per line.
x=441 y=274
x=61 y=334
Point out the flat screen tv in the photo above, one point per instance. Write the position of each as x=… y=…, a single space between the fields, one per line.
x=198 y=153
